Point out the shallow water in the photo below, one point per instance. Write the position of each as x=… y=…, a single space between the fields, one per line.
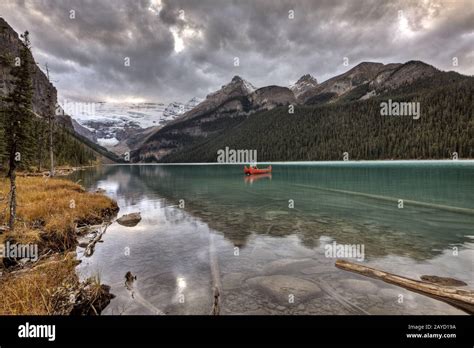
x=268 y=258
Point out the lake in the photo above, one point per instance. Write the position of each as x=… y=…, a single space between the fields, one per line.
x=264 y=240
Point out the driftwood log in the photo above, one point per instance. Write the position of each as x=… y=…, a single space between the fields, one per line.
x=216 y=278
x=459 y=298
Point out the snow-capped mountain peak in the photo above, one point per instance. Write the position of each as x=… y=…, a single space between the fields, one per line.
x=306 y=82
x=110 y=122
x=176 y=109
x=247 y=86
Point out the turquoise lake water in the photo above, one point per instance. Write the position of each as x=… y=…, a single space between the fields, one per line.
x=263 y=239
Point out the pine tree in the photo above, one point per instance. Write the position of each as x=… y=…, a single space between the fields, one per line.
x=18 y=116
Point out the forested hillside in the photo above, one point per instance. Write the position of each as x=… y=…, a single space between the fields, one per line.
x=28 y=104
x=69 y=148
x=325 y=132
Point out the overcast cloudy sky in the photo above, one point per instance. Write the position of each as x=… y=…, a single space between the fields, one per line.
x=179 y=49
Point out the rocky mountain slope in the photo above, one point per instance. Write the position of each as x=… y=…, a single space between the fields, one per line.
x=134 y=141
x=229 y=98
x=79 y=129
x=397 y=75
x=9 y=49
x=366 y=80
x=337 y=86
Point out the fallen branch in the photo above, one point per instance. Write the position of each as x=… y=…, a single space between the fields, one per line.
x=88 y=229
x=216 y=306
x=90 y=247
x=459 y=298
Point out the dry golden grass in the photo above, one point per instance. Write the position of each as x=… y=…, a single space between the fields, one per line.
x=32 y=292
x=49 y=209
x=47 y=213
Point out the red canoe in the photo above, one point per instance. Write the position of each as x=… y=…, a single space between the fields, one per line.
x=253 y=170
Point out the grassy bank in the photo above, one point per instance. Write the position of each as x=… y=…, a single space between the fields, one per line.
x=48 y=213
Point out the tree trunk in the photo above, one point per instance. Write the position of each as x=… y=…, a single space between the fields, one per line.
x=459 y=298
x=12 y=176
x=40 y=150
x=51 y=155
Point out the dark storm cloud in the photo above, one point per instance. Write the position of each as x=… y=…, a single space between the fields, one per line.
x=86 y=54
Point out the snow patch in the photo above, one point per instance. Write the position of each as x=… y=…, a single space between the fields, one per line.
x=107 y=142
x=248 y=86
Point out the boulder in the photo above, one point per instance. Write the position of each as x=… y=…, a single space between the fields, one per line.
x=129 y=220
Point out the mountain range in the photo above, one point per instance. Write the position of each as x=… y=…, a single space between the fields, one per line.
x=246 y=117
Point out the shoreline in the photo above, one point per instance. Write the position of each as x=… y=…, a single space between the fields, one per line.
x=60 y=171
x=54 y=215
x=341 y=162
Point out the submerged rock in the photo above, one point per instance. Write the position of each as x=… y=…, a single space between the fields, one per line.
x=232 y=281
x=388 y=293
x=445 y=281
x=129 y=220
x=287 y=265
x=360 y=286
x=280 y=287
x=129 y=279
